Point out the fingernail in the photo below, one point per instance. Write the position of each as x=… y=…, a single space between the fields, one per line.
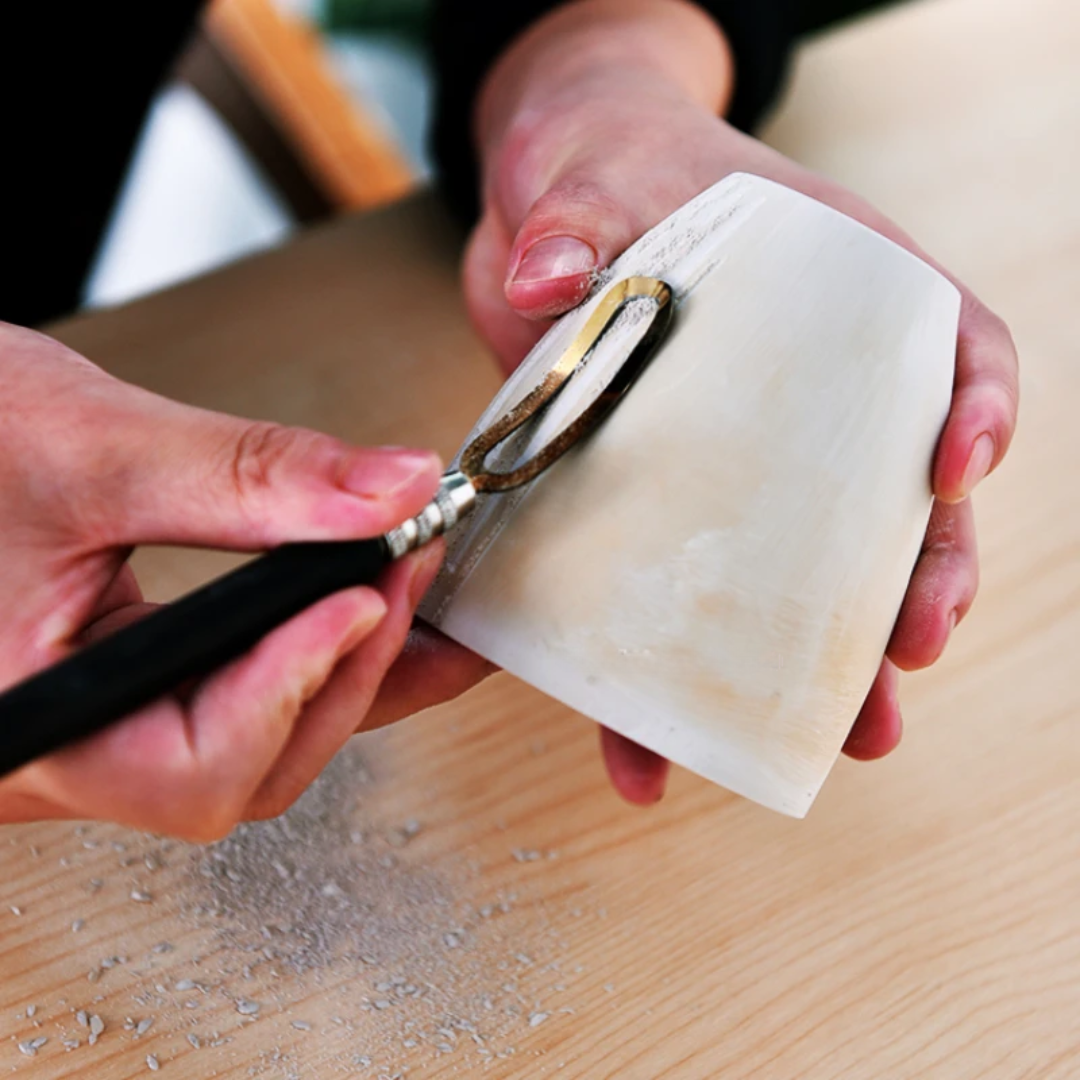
x=553 y=258
x=385 y=472
x=982 y=454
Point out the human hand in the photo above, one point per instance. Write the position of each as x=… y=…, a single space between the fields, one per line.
x=92 y=467
x=599 y=122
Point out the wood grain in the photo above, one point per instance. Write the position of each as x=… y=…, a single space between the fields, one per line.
x=924 y=921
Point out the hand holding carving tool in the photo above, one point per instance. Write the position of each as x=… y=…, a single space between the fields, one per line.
x=212 y=626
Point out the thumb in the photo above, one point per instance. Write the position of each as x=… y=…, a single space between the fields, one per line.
x=163 y=472
x=569 y=233
x=532 y=258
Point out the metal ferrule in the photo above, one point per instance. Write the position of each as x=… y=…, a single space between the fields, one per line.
x=454 y=499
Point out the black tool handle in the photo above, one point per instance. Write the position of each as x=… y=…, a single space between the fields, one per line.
x=187 y=639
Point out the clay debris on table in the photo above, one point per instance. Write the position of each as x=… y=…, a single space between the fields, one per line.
x=329 y=927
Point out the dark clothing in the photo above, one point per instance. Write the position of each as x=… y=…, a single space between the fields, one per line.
x=469 y=34
x=76 y=81
x=75 y=84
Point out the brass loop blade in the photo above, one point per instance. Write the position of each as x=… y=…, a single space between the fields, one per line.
x=473 y=461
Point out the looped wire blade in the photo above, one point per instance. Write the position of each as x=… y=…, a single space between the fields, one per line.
x=473 y=460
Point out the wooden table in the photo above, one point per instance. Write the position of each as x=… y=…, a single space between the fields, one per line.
x=463 y=894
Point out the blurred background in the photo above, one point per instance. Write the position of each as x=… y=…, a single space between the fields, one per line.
x=198 y=194
x=280 y=113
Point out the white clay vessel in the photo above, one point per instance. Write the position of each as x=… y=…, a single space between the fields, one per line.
x=716 y=572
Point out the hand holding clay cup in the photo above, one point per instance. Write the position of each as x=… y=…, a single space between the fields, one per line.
x=93 y=467
x=599 y=122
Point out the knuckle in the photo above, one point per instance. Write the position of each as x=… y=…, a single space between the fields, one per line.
x=534 y=154
x=991 y=325
x=1008 y=394
x=1006 y=364
x=573 y=200
x=985 y=332
x=991 y=365
x=998 y=401
x=256 y=456
x=519 y=160
x=266 y=455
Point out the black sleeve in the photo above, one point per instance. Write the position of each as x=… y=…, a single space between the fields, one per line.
x=75 y=84
x=467 y=36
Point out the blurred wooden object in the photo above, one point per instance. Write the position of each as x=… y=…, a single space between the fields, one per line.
x=266 y=73
x=922 y=922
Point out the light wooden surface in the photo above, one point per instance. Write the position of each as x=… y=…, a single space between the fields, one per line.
x=924 y=921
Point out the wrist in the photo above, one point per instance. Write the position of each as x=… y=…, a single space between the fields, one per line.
x=655 y=49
